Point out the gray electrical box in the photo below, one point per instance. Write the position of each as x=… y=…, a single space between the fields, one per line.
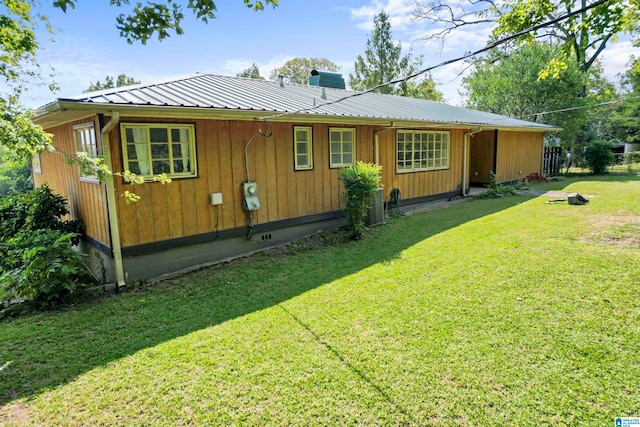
x=250 y=196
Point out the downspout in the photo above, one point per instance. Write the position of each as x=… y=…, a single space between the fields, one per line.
x=466 y=141
x=376 y=142
x=111 y=199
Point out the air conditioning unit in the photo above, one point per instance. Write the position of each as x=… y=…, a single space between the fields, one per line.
x=375 y=216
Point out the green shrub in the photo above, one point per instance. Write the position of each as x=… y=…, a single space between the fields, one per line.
x=360 y=182
x=35 y=210
x=495 y=190
x=632 y=157
x=598 y=156
x=41 y=266
x=37 y=258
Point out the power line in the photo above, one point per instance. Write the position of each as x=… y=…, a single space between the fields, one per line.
x=450 y=61
x=615 y=101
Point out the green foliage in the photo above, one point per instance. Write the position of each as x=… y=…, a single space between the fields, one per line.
x=42 y=266
x=15 y=178
x=36 y=210
x=121 y=80
x=507 y=82
x=37 y=260
x=598 y=156
x=624 y=125
x=162 y=17
x=496 y=190
x=383 y=61
x=633 y=157
x=297 y=70
x=252 y=72
x=360 y=182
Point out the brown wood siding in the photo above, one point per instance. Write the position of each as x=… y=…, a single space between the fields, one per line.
x=519 y=154
x=182 y=208
x=86 y=200
x=482 y=156
x=420 y=184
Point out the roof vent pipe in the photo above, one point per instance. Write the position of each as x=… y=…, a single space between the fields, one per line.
x=324 y=94
x=281 y=80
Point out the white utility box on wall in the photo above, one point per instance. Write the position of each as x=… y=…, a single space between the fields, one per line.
x=216 y=198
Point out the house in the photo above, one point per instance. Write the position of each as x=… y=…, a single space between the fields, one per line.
x=254 y=163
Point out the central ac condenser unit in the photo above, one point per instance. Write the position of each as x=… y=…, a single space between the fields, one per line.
x=375 y=216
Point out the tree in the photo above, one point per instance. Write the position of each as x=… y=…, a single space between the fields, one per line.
x=506 y=82
x=297 y=70
x=252 y=72
x=582 y=37
x=160 y=17
x=624 y=125
x=383 y=61
x=122 y=80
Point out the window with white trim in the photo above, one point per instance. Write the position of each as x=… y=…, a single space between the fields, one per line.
x=342 y=147
x=422 y=150
x=84 y=136
x=303 y=147
x=154 y=148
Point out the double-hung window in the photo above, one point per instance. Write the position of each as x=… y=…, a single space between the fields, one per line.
x=84 y=136
x=422 y=150
x=157 y=148
x=342 y=147
x=303 y=147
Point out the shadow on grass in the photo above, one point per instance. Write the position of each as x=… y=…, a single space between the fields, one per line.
x=51 y=349
x=565 y=181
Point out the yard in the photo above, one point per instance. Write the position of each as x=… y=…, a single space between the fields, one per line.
x=487 y=313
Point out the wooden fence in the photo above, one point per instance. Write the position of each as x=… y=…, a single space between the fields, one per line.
x=552 y=161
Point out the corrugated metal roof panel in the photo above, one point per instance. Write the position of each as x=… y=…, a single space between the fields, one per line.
x=211 y=91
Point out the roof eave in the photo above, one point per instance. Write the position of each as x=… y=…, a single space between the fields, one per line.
x=63 y=111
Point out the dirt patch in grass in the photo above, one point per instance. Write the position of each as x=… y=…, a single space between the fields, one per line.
x=621 y=230
x=14 y=414
x=308 y=243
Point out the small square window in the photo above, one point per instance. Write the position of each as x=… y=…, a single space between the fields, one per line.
x=342 y=147
x=303 y=147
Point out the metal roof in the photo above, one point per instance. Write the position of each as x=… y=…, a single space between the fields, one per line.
x=242 y=94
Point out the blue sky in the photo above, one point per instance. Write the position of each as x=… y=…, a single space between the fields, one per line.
x=86 y=46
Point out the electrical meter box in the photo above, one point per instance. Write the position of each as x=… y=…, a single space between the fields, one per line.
x=250 y=196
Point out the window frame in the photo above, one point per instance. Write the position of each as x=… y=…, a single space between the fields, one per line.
x=81 y=147
x=309 y=143
x=147 y=126
x=342 y=164
x=445 y=153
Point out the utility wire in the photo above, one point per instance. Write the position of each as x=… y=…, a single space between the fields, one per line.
x=450 y=61
x=581 y=107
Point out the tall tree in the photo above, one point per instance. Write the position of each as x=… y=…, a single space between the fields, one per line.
x=252 y=72
x=506 y=82
x=297 y=70
x=582 y=37
x=121 y=80
x=383 y=61
x=624 y=125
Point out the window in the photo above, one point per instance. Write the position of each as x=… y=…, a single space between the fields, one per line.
x=156 y=148
x=303 y=147
x=422 y=151
x=85 y=139
x=36 y=166
x=342 y=148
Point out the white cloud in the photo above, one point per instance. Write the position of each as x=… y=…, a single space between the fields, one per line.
x=615 y=59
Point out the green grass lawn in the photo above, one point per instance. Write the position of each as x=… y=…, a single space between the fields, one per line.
x=487 y=313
